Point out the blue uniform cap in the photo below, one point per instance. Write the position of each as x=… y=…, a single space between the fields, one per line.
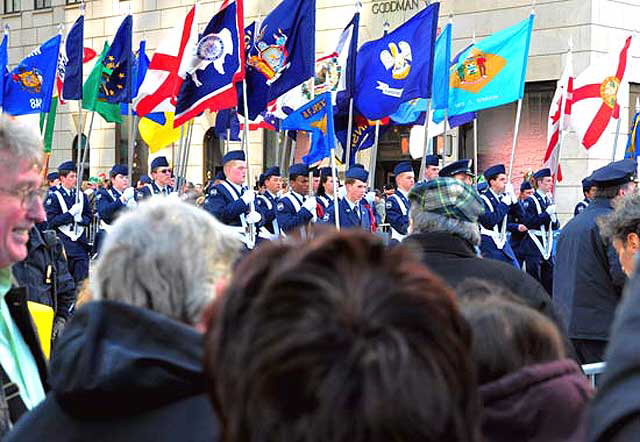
x=494 y=171
x=272 y=171
x=119 y=169
x=357 y=174
x=526 y=185
x=261 y=179
x=298 y=169
x=53 y=176
x=615 y=174
x=432 y=160
x=234 y=155
x=542 y=173
x=159 y=162
x=325 y=171
x=402 y=167
x=67 y=166
x=587 y=184
x=460 y=166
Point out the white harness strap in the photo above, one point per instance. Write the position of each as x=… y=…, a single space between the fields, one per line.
x=403 y=209
x=264 y=233
x=68 y=229
x=545 y=243
x=498 y=235
x=297 y=206
x=243 y=218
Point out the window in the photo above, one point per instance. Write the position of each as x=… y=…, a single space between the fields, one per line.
x=140 y=149
x=11 y=6
x=75 y=155
x=73 y=2
x=42 y=4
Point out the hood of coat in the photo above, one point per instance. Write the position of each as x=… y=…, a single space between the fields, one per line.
x=114 y=359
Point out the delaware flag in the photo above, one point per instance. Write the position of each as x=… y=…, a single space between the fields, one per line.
x=29 y=87
x=397 y=67
x=317 y=117
x=156 y=129
x=491 y=72
x=634 y=139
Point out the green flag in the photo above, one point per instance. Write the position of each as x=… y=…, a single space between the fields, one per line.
x=50 y=119
x=110 y=112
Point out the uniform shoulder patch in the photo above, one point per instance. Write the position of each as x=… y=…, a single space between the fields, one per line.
x=280 y=207
x=98 y=196
x=49 y=201
x=388 y=204
x=213 y=192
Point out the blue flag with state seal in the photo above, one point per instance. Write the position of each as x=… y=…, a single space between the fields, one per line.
x=397 y=67
x=316 y=117
x=29 y=87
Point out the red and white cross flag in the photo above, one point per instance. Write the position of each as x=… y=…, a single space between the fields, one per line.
x=167 y=69
x=595 y=97
x=559 y=115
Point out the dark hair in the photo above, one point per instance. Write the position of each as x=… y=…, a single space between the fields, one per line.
x=624 y=220
x=64 y=173
x=340 y=339
x=507 y=335
x=610 y=192
x=349 y=181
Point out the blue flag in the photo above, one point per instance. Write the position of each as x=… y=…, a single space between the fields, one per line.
x=410 y=111
x=362 y=137
x=441 y=63
x=117 y=83
x=215 y=66
x=317 y=117
x=140 y=67
x=29 y=87
x=491 y=72
x=4 y=61
x=631 y=152
x=228 y=119
x=397 y=67
x=74 y=54
x=281 y=53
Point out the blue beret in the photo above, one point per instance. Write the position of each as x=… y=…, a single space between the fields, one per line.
x=119 y=169
x=67 y=166
x=494 y=170
x=53 y=176
x=272 y=171
x=482 y=186
x=460 y=166
x=233 y=155
x=159 y=162
x=432 y=160
x=526 y=185
x=325 y=171
x=146 y=179
x=402 y=167
x=298 y=169
x=357 y=173
x=542 y=173
x=615 y=174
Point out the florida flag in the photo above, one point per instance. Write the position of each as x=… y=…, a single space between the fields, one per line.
x=559 y=114
x=162 y=83
x=595 y=97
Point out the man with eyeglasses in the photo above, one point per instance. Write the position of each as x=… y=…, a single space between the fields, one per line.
x=161 y=179
x=69 y=213
x=23 y=369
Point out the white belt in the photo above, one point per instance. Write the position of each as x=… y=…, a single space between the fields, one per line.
x=397 y=235
x=546 y=246
x=265 y=234
x=498 y=239
x=104 y=226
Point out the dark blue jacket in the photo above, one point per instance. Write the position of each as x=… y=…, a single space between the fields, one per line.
x=348 y=217
x=146 y=191
x=123 y=373
x=581 y=206
x=56 y=217
x=398 y=221
x=588 y=279
x=226 y=207
x=266 y=205
x=494 y=216
x=288 y=217
x=535 y=221
x=109 y=204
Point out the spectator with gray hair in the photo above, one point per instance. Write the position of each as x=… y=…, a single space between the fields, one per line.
x=128 y=366
x=444 y=231
x=622 y=229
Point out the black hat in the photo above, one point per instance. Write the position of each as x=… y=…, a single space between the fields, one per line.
x=460 y=166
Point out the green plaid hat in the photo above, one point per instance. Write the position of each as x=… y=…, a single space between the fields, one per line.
x=448 y=197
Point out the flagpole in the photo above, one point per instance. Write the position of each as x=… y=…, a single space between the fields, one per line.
x=130 y=143
x=178 y=158
x=245 y=141
x=515 y=139
x=446 y=123
x=475 y=147
x=615 y=140
x=374 y=155
x=426 y=139
x=349 y=129
x=563 y=103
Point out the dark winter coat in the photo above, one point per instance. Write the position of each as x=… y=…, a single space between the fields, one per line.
x=588 y=279
x=541 y=403
x=123 y=373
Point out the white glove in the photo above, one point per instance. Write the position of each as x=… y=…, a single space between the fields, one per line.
x=370 y=197
x=75 y=210
x=78 y=218
x=248 y=196
x=128 y=194
x=509 y=189
x=132 y=203
x=508 y=198
x=551 y=210
x=310 y=204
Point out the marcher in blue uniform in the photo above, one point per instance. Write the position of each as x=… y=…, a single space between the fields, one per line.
x=325 y=193
x=231 y=202
x=515 y=223
x=53 y=181
x=589 y=280
x=397 y=205
x=431 y=168
x=499 y=201
x=113 y=199
x=266 y=204
x=588 y=190
x=541 y=219
x=353 y=212
x=70 y=215
x=460 y=170
x=296 y=209
x=161 y=179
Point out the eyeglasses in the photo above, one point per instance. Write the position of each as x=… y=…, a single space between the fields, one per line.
x=27 y=196
x=164 y=170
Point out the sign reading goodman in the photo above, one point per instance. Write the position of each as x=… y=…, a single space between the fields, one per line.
x=390 y=6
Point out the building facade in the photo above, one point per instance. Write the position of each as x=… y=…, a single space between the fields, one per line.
x=595 y=27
